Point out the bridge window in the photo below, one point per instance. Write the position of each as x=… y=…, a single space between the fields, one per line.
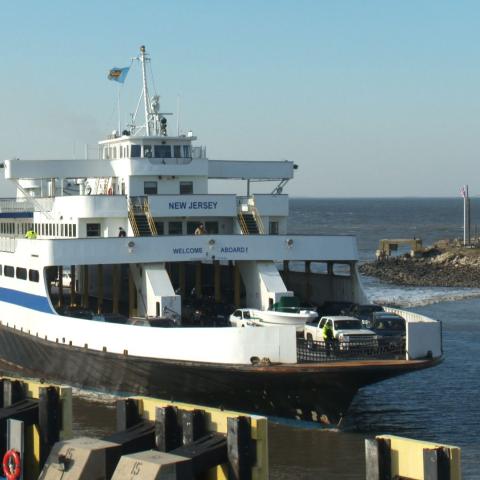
x=150 y=188
x=176 y=151
x=135 y=151
x=186 y=151
x=21 y=273
x=162 y=151
x=147 y=151
x=33 y=275
x=93 y=229
x=186 y=188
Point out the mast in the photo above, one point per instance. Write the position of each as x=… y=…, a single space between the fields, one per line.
x=143 y=59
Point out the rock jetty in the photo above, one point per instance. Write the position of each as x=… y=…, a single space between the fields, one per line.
x=451 y=267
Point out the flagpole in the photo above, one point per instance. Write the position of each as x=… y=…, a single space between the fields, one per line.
x=118 y=108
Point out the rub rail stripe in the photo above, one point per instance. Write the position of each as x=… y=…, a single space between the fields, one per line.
x=27 y=300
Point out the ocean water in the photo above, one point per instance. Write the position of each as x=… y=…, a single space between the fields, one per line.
x=440 y=404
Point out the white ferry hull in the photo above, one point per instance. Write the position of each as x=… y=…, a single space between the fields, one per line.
x=319 y=392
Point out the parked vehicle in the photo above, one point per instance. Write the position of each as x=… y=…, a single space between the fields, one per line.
x=365 y=312
x=152 y=322
x=346 y=332
x=387 y=324
x=243 y=317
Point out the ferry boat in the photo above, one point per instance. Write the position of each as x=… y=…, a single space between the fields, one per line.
x=72 y=290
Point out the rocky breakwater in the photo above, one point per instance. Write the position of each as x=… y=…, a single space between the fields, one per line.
x=455 y=267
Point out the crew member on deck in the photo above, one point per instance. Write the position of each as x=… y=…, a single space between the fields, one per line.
x=200 y=230
x=31 y=234
x=327 y=334
x=121 y=232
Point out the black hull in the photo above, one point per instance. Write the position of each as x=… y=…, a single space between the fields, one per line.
x=320 y=392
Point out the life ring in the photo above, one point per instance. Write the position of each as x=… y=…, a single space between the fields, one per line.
x=12 y=466
x=110 y=191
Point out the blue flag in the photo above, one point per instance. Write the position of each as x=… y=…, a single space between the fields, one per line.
x=118 y=74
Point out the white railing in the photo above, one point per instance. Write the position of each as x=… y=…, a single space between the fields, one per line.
x=8 y=244
x=424 y=334
x=10 y=205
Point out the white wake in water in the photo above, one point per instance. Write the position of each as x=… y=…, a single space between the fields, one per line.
x=401 y=296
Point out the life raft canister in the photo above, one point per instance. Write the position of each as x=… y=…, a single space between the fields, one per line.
x=12 y=466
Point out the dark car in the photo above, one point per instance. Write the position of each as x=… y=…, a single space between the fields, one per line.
x=152 y=322
x=365 y=312
x=334 y=308
x=111 y=318
x=387 y=324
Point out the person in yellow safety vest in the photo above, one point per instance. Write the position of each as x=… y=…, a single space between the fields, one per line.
x=327 y=334
x=30 y=234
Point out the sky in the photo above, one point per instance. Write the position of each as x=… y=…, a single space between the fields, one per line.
x=369 y=98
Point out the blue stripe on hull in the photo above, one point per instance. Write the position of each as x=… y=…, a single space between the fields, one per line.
x=27 y=300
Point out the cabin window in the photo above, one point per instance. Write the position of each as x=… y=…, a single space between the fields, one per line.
x=191 y=227
x=186 y=188
x=175 y=228
x=160 y=228
x=186 y=151
x=33 y=275
x=21 y=273
x=105 y=153
x=74 y=230
x=135 y=151
x=120 y=151
x=273 y=228
x=150 y=188
x=0 y=269
x=147 y=151
x=93 y=229
x=62 y=230
x=8 y=271
x=211 y=227
x=114 y=152
x=176 y=151
x=163 y=151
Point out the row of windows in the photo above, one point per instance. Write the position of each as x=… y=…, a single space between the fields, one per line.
x=11 y=228
x=56 y=229
x=20 y=273
x=151 y=188
x=149 y=151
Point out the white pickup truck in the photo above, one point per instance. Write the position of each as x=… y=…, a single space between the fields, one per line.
x=346 y=330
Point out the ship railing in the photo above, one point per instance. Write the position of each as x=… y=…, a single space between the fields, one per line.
x=8 y=244
x=14 y=205
x=309 y=351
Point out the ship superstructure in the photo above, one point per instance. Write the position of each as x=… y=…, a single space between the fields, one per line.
x=136 y=234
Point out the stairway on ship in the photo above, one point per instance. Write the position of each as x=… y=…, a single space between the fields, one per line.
x=250 y=223
x=142 y=225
